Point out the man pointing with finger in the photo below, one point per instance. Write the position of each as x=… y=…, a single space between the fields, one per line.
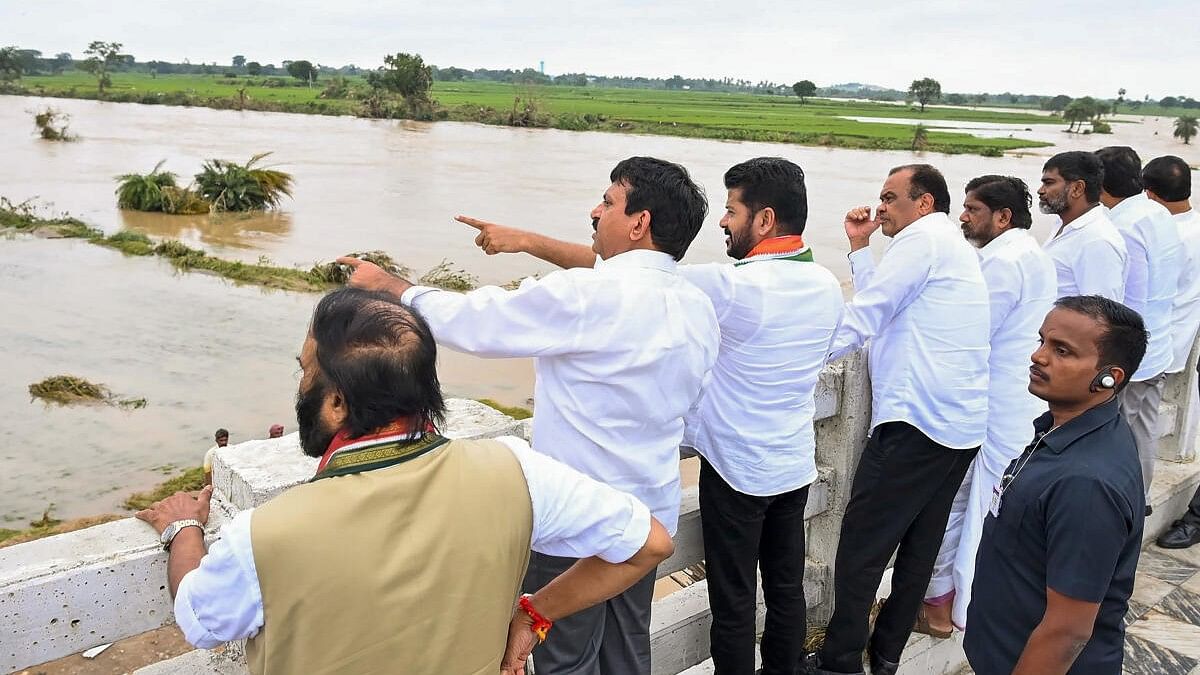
x=620 y=351
x=924 y=308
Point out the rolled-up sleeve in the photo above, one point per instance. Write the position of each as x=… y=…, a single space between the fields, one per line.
x=576 y=516
x=542 y=317
x=221 y=600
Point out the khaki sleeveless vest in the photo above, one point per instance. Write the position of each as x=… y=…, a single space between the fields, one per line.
x=414 y=568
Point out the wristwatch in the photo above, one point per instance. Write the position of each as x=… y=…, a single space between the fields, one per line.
x=175 y=528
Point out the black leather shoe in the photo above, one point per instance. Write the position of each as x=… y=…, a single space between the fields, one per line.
x=1149 y=510
x=811 y=665
x=880 y=665
x=1181 y=535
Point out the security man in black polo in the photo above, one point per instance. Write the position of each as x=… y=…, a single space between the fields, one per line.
x=1060 y=547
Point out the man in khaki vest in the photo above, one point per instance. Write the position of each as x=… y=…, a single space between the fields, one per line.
x=405 y=552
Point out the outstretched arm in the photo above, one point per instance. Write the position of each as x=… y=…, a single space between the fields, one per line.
x=494 y=238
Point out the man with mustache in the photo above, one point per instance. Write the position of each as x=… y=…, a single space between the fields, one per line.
x=753 y=425
x=924 y=307
x=406 y=550
x=1088 y=251
x=1021 y=289
x=1151 y=283
x=620 y=351
x=1061 y=542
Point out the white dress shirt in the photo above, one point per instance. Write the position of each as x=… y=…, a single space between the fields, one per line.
x=1022 y=288
x=620 y=353
x=1151 y=274
x=925 y=310
x=573 y=516
x=754 y=420
x=1185 y=312
x=1089 y=256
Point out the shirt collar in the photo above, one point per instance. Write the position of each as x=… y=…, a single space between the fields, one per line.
x=924 y=222
x=1186 y=217
x=1091 y=215
x=402 y=429
x=1127 y=203
x=993 y=247
x=640 y=257
x=1091 y=420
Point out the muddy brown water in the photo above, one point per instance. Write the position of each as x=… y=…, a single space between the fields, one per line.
x=207 y=353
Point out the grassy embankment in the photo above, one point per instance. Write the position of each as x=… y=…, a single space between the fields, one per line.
x=321 y=277
x=673 y=113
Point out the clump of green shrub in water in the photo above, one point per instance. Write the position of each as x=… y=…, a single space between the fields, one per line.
x=71 y=390
x=444 y=275
x=230 y=186
x=337 y=273
x=52 y=125
x=158 y=191
x=1099 y=127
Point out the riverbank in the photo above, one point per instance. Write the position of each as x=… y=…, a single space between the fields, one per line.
x=689 y=114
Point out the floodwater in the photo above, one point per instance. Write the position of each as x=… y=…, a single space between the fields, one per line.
x=207 y=353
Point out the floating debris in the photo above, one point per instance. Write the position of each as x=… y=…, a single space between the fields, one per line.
x=444 y=275
x=71 y=390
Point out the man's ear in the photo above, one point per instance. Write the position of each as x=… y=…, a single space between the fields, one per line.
x=765 y=221
x=641 y=228
x=925 y=204
x=1118 y=374
x=1005 y=216
x=335 y=408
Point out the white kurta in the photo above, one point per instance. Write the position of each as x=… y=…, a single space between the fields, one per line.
x=1089 y=256
x=1021 y=288
x=1185 y=312
x=1151 y=274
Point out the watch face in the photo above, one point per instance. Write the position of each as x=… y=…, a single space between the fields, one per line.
x=168 y=533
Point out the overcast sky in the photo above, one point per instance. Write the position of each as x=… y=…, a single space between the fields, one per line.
x=1075 y=47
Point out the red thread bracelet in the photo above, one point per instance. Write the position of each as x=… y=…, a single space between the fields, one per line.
x=541 y=625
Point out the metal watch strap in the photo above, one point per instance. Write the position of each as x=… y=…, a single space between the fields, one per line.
x=179 y=526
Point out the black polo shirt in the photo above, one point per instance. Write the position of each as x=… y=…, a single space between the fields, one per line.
x=1072 y=521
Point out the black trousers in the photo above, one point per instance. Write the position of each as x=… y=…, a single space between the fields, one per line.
x=900 y=502
x=609 y=638
x=742 y=533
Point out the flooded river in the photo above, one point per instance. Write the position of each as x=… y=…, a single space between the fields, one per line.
x=207 y=354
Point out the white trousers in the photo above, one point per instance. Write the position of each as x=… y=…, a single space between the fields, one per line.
x=954 y=569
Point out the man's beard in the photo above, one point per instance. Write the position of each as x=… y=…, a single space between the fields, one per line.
x=1054 y=206
x=315 y=437
x=740 y=244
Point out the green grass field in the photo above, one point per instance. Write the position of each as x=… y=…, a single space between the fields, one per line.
x=675 y=113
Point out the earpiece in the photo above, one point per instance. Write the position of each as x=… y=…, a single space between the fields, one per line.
x=1103 y=380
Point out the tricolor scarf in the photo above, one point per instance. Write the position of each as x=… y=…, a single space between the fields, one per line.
x=391 y=445
x=787 y=247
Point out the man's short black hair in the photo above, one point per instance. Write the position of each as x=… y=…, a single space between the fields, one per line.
x=1124 y=340
x=1079 y=165
x=676 y=204
x=380 y=356
x=1004 y=192
x=926 y=179
x=773 y=182
x=1122 y=170
x=221 y=433
x=1169 y=177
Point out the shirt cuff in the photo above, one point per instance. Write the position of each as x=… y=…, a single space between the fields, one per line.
x=633 y=539
x=413 y=292
x=193 y=631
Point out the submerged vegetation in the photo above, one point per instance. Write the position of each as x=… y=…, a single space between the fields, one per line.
x=190 y=480
x=513 y=411
x=52 y=125
x=24 y=217
x=48 y=525
x=71 y=390
x=220 y=186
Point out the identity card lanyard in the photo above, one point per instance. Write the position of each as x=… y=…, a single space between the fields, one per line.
x=999 y=490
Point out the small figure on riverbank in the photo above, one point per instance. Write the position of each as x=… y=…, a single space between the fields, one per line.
x=406 y=550
x=276 y=431
x=221 y=437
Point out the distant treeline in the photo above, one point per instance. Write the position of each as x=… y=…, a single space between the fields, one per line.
x=17 y=61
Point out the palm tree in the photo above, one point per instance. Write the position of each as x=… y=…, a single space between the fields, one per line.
x=1185 y=128
x=242 y=187
x=144 y=192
